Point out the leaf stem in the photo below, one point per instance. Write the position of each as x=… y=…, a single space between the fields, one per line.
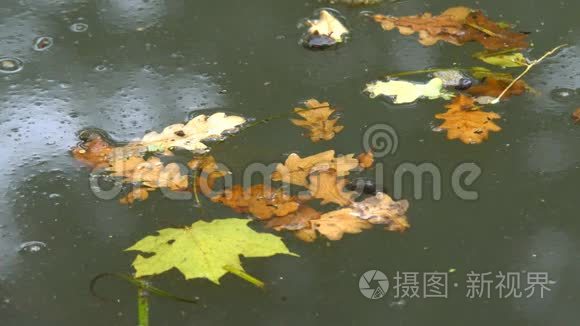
x=245 y=276
x=143 y=306
x=528 y=68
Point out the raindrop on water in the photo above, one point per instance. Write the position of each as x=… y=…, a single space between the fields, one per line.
x=31 y=247
x=79 y=27
x=10 y=65
x=42 y=43
x=562 y=94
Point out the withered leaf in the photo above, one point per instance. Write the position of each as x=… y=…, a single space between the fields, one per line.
x=316 y=119
x=366 y=160
x=382 y=209
x=296 y=169
x=259 y=200
x=295 y=221
x=139 y=193
x=493 y=87
x=94 y=152
x=327 y=186
x=335 y=224
x=466 y=121
x=457 y=26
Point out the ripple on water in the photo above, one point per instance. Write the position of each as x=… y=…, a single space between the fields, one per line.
x=31 y=247
x=42 y=43
x=563 y=94
x=10 y=65
x=79 y=27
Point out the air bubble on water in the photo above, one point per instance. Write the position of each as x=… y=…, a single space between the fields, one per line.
x=562 y=94
x=42 y=43
x=79 y=27
x=31 y=247
x=10 y=65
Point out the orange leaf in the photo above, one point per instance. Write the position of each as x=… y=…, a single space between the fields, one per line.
x=493 y=87
x=366 y=160
x=316 y=120
x=326 y=186
x=465 y=121
x=260 y=201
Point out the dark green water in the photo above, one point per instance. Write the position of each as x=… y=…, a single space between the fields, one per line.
x=244 y=57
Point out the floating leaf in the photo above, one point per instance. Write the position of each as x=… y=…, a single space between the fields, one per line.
x=456 y=25
x=327 y=186
x=493 y=87
x=296 y=169
x=327 y=25
x=366 y=160
x=259 y=200
x=316 y=120
x=333 y=225
x=508 y=58
x=407 y=92
x=204 y=250
x=189 y=136
x=576 y=115
x=295 y=221
x=382 y=209
x=467 y=122
x=94 y=152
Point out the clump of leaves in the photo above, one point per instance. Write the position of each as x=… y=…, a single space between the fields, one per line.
x=466 y=121
x=316 y=118
x=457 y=26
x=358 y=216
x=204 y=250
x=406 y=92
x=129 y=163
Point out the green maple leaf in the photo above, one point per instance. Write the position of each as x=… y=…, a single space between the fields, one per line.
x=206 y=250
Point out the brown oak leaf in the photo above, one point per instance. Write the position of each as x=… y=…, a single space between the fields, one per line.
x=493 y=87
x=466 y=121
x=335 y=224
x=295 y=221
x=296 y=169
x=259 y=200
x=456 y=25
x=382 y=209
x=317 y=120
x=327 y=186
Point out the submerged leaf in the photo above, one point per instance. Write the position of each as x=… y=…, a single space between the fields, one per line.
x=493 y=87
x=466 y=122
x=204 y=250
x=407 y=92
x=316 y=119
x=508 y=59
